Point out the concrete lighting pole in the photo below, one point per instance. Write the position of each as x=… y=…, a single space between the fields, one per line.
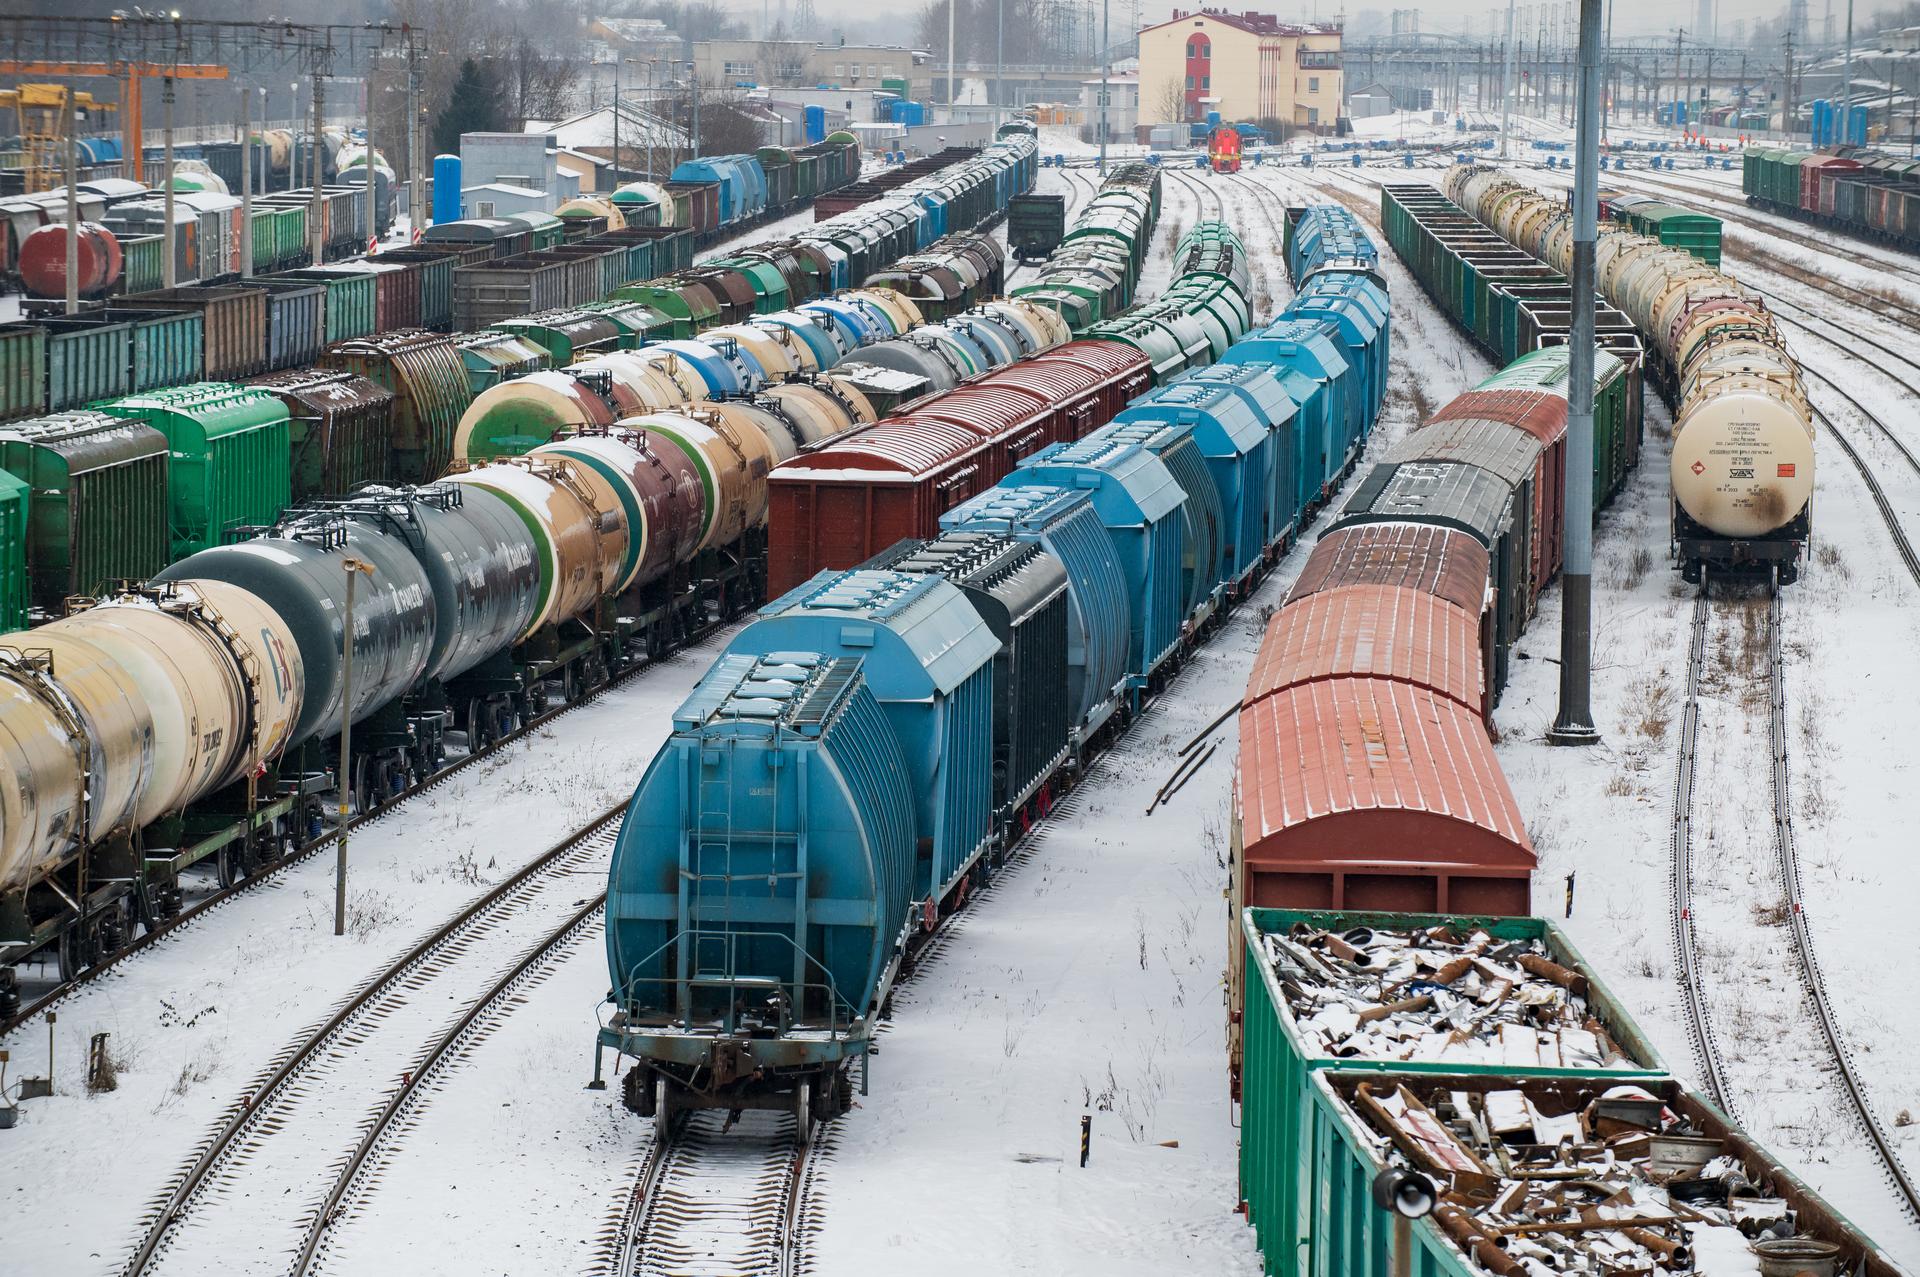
x=316 y=217
x=999 y=63
x=355 y=567
x=1846 y=84
x=1106 y=64
x=953 y=85
x=169 y=275
x=246 y=178
x=617 y=60
x=1574 y=724
x=73 y=206
x=1506 y=86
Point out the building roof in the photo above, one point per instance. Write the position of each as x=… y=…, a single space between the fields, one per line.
x=502 y=188
x=1251 y=22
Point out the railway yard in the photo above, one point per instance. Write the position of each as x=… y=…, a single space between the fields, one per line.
x=801 y=903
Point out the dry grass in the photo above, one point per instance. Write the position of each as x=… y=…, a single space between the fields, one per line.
x=1773 y=915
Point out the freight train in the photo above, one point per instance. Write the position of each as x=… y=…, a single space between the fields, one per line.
x=344 y=434
x=1872 y=194
x=1092 y=275
x=536 y=577
x=865 y=752
x=1742 y=469
x=841 y=504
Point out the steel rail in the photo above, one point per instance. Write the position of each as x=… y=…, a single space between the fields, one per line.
x=1706 y=1048
x=255 y=1109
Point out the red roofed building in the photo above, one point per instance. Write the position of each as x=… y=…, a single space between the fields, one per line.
x=1250 y=67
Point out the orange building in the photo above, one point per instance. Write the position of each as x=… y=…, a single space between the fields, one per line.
x=1247 y=66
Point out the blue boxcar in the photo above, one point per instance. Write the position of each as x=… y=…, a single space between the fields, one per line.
x=743 y=183
x=1236 y=412
x=929 y=661
x=1139 y=501
x=1099 y=616
x=764 y=870
x=1200 y=511
x=1358 y=307
x=1307 y=359
x=1324 y=235
x=935 y=202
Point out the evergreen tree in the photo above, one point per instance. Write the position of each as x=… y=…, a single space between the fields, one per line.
x=474 y=107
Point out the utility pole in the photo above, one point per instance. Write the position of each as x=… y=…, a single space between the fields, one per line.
x=73 y=206
x=1506 y=85
x=246 y=182
x=999 y=62
x=617 y=60
x=1574 y=723
x=316 y=213
x=416 y=141
x=169 y=272
x=1106 y=63
x=1679 y=41
x=1612 y=78
x=1846 y=84
x=953 y=85
x=1786 y=102
x=354 y=569
x=366 y=165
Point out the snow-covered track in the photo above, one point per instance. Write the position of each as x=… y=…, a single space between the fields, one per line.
x=1786 y=851
x=300 y=1134
x=1201 y=191
x=720 y=1198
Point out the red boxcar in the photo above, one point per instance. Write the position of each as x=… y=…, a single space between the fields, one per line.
x=1374 y=631
x=1544 y=416
x=1811 y=169
x=1368 y=793
x=844 y=503
x=1439 y=561
x=841 y=505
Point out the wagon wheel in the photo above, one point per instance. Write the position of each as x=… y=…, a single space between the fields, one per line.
x=362 y=786
x=803 y=1113
x=475 y=721
x=230 y=863
x=662 y=1110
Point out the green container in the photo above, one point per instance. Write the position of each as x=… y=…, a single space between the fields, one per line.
x=688 y=312
x=167 y=347
x=769 y=285
x=568 y=335
x=639 y=323
x=291 y=236
x=548 y=230
x=1287 y=1193
x=352 y=302
x=493 y=356
x=23 y=371
x=143 y=268
x=231 y=458
x=97 y=509
x=87 y=360
x=266 y=240
x=13 y=553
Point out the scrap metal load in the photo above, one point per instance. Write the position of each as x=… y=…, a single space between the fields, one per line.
x=980 y=591
x=1462 y=1095
x=1742 y=468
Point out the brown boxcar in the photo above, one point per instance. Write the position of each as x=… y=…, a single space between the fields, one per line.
x=1367 y=793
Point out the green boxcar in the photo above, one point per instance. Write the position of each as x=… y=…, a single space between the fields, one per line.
x=769 y=285
x=13 y=552
x=86 y=360
x=548 y=230
x=23 y=371
x=231 y=458
x=639 y=323
x=291 y=236
x=1279 y=1071
x=568 y=335
x=97 y=507
x=266 y=240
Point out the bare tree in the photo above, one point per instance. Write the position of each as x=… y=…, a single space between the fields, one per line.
x=1169 y=101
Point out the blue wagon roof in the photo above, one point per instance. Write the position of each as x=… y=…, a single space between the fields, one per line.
x=929 y=617
x=1103 y=465
x=794 y=690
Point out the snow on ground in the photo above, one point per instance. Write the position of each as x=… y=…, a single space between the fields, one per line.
x=198 y=1014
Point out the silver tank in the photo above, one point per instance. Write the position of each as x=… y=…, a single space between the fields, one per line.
x=479 y=559
x=299 y=571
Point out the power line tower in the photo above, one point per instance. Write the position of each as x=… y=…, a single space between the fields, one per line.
x=804 y=20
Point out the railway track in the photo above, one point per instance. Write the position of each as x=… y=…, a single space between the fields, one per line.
x=1793 y=900
x=1202 y=191
x=272 y=868
x=304 y=1133
x=719 y=1197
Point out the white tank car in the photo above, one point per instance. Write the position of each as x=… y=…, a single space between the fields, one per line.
x=1742 y=464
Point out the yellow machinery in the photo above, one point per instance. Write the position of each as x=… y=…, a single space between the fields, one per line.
x=41 y=110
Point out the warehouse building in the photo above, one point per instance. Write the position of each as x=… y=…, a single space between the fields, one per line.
x=1247 y=66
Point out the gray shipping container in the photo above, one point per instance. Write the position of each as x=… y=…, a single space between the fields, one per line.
x=436 y=282
x=512 y=287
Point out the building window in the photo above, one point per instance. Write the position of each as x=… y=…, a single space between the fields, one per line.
x=1189 y=82
x=1313 y=84
x=1313 y=115
x=1206 y=51
x=1206 y=82
x=839 y=70
x=1192 y=50
x=872 y=70
x=742 y=70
